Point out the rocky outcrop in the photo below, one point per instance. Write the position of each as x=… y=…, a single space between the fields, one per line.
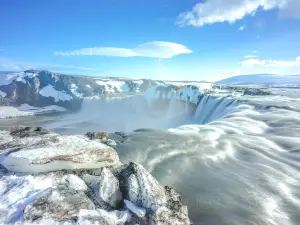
x=256 y=91
x=98 y=194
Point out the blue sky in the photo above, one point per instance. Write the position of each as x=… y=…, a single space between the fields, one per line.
x=157 y=39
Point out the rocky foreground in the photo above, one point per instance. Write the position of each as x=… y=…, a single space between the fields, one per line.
x=47 y=178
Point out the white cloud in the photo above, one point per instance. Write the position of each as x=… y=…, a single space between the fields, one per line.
x=218 y=11
x=14 y=66
x=298 y=58
x=250 y=56
x=157 y=49
x=269 y=63
x=241 y=28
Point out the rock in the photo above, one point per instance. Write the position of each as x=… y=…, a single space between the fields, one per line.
x=165 y=216
x=109 y=188
x=105 y=189
x=97 y=135
x=29 y=132
x=59 y=204
x=103 y=217
x=111 y=142
x=256 y=91
x=74 y=182
x=52 y=152
x=140 y=187
x=138 y=211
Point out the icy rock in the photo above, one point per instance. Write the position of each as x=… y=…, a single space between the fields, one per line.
x=52 y=152
x=59 y=204
x=140 y=212
x=103 y=217
x=105 y=188
x=140 y=187
x=109 y=188
x=74 y=182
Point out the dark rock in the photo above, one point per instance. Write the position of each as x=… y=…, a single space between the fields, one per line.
x=97 y=135
x=29 y=132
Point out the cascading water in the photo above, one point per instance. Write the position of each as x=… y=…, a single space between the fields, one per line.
x=211 y=108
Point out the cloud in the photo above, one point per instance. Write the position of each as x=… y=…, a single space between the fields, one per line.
x=255 y=51
x=241 y=28
x=298 y=58
x=157 y=49
x=22 y=66
x=14 y=66
x=218 y=11
x=250 y=56
x=269 y=63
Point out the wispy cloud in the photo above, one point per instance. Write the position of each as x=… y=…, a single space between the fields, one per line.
x=250 y=56
x=241 y=28
x=157 y=49
x=218 y=11
x=270 y=63
x=8 y=65
x=14 y=66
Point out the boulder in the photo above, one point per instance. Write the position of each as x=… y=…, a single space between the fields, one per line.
x=105 y=189
x=140 y=187
x=52 y=152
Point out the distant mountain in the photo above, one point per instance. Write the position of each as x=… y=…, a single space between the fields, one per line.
x=262 y=79
x=44 y=88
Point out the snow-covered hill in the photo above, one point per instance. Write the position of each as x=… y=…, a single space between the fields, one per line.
x=262 y=79
x=44 y=88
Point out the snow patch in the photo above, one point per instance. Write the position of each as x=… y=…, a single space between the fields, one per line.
x=50 y=91
x=27 y=110
x=2 y=94
x=74 y=90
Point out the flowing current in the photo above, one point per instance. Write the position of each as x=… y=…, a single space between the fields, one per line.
x=234 y=161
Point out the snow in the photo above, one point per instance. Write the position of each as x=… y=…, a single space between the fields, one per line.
x=88 y=86
x=27 y=110
x=74 y=90
x=16 y=192
x=61 y=152
x=6 y=79
x=111 y=85
x=140 y=212
x=50 y=91
x=2 y=94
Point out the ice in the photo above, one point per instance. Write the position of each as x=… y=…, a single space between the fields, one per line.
x=140 y=212
x=109 y=188
x=50 y=91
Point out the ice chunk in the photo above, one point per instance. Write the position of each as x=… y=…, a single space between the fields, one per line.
x=140 y=212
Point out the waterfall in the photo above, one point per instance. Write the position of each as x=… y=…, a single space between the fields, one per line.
x=211 y=108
